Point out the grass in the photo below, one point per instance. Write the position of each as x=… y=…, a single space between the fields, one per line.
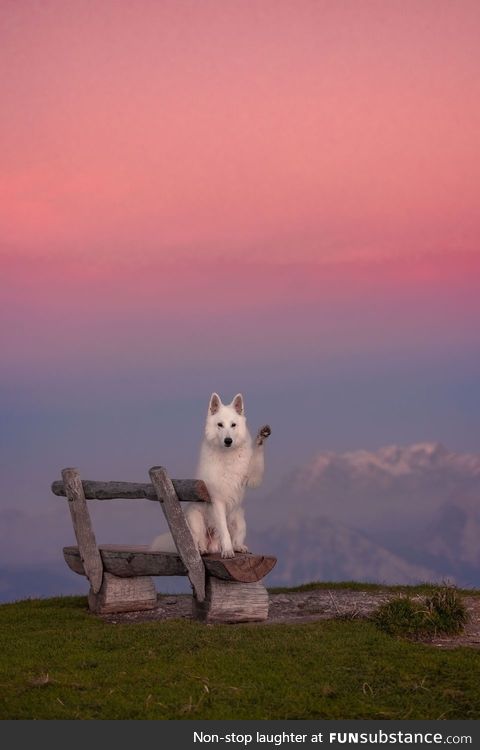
x=441 y=613
x=60 y=662
x=421 y=588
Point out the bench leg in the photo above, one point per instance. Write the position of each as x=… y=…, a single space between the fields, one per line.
x=123 y=595
x=230 y=601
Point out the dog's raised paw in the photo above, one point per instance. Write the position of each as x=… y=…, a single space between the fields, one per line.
x=263 y=433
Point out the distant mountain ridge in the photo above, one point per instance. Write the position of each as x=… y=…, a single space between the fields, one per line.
x=400 y=514
x=328 y=551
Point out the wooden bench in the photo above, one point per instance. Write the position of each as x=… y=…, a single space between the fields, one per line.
x=224 y=589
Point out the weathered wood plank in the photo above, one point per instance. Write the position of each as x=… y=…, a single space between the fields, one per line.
x=243 y=568
x=179 y=529
x=187 y=490
x=228 y=601
x=123 y=595
x=82 y=525
x=128 y=561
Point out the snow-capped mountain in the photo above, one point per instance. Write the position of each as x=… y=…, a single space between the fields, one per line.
x=394 y=460
x=416 y=509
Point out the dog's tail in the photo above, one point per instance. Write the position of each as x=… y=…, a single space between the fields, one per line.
x=163 y=543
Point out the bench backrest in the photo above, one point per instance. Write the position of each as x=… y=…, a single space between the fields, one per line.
x=162 y=489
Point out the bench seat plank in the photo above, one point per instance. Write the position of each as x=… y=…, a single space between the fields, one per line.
x=243 y=568
x=128 y=561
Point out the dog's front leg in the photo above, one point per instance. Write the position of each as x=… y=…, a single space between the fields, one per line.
x=238 y=530
x=197 y=525
x=219 y=519
x=257 y=462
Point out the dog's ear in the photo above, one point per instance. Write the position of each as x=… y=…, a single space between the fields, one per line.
x=237 y=404
x=215 y=403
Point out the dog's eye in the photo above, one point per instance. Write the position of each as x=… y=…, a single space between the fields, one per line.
x=220 y=424
x=234 y=424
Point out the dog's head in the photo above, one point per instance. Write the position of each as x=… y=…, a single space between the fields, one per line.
x=226 y=424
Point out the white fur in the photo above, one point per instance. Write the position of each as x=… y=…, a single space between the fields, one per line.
x=227 y=470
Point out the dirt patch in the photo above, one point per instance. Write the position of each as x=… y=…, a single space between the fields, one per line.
x=309 y=606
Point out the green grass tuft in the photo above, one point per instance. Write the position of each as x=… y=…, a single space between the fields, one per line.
x=447 y=611
x=442 y=613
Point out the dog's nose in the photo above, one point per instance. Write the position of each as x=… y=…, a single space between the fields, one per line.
x=228 y=441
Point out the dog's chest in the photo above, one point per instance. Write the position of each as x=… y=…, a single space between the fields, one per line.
x=225 y=474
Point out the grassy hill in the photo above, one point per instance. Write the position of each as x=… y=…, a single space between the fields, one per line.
x=59 y=662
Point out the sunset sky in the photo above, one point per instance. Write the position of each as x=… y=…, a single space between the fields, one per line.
x=274 y=197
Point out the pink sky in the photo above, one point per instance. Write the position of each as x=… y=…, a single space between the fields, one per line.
x=265 y=129
x=62 y=316
x=221 y=177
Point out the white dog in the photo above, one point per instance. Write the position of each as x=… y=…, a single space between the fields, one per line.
x=230 y=461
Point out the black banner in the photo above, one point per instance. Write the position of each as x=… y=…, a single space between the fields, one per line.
x=254 y=734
